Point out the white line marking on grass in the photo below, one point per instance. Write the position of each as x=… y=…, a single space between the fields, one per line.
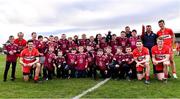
x=91 y=89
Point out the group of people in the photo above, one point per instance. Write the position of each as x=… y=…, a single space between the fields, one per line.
x=120 y=57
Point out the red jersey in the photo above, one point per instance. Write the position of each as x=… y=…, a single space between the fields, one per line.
x=71 y=58
x=11 y=47
x=49 y=60
x=29 y=56
x=101 y=62
x=160 y=54
x=21 y=43
x=167 y=35
x=140 y=54
x=81 y=61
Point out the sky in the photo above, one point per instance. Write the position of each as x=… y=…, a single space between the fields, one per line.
x=72 y=17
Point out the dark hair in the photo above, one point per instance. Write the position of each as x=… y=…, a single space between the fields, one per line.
x=29 y=41
x=11 y=36
x=128 y=47
x=148 y=25
x=33 y=33
x=123 y=32
x=51 y=36
x=127 y=27
x=139 y=40
x=40 y=36
x=134 y=31
x=161 y=21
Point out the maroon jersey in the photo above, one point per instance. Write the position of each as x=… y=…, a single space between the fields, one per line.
x=132 y=41
x=71 y=45
x=81 y=61
x=109 y=57
x=11 y=47
x=103 y=45
x=128 y=57
x=123 y=42
x=120 y=58
x=90 y=57
x=113 y=44
x=41 y=48
x=51 y=44
x=36 y=43
x=63 y=45
x=49 y=60
x=60 y=60
x=83 y=42
x=92 y=44
x=71 y=58
x=101 y=62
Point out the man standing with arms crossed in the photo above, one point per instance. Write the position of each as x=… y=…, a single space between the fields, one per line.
x=169 y=39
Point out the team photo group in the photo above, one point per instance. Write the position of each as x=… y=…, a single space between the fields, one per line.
x=126 y=55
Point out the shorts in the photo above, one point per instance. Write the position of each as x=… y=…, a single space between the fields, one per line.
x=41 y=59
x=159 y=67
x=139 y=69
x=26 y=70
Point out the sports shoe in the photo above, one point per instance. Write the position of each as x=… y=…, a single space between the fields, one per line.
x=12 y=79
x=147 y=82
x=175 y=76
x=165 y=80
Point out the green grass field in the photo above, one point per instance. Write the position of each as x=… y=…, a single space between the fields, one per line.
x=63 y=88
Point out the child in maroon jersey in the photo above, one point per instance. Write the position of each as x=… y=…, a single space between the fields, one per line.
x=71 y=62
x=101 y=64
x=133 y=39
x=91 y=61
x=61 y=65
x=10 y=49
x=63 y=42
x=71 y=44
x=84 y=41
x=81 y=62
x=123 y=41
x=103 y=43
x=119 y=59
x=130 y=65
x=113 y=43
x=49 y=64
x=91 y=43
x=109 y=56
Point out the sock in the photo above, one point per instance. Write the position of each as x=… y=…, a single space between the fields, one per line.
x=165 y=75
x=147 y=77
x=36 y=78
